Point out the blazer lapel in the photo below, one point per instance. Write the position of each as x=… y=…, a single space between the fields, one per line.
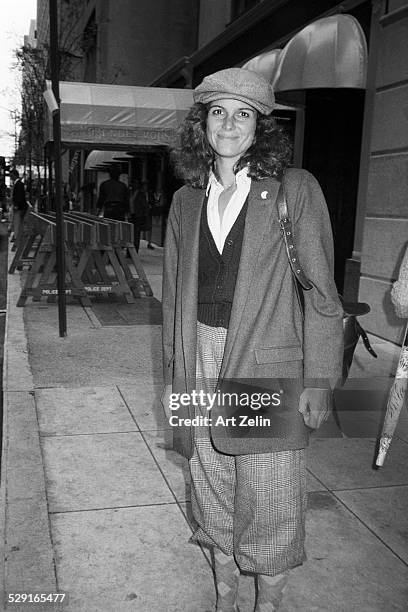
x=261 y=205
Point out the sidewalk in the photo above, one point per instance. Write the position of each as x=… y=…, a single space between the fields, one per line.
x=97 y=505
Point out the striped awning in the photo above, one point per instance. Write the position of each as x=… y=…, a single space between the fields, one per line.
x=117 y=116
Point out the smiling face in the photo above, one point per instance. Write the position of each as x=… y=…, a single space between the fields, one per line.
x=230 y=128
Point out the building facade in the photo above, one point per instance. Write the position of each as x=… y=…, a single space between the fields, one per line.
x=123 y=42
x=119 y=42
x=354 y=140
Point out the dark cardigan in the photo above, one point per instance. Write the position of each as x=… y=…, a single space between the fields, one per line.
x=217 y=272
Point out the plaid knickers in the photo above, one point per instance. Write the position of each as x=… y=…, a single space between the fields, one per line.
x=250 y=506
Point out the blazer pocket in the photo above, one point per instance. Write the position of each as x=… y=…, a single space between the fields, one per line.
x=278 y=355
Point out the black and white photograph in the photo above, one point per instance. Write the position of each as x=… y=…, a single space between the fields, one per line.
x=204 y=306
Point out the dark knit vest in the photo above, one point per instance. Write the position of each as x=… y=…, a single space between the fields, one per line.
x=217 y=272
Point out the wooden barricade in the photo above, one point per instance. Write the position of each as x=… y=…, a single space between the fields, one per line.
x=26 y=247
x=130 y=261
x=122 y=243
x=98 y=265
x=41 y=278
x=99 y=253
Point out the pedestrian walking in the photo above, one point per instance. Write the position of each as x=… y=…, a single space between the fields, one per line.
x=231 y=313
x=19 y=200
x=149 y=216
x=140 y=213
x=113 y=199
x=3 y=202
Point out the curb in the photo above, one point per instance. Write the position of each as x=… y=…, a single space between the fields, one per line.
x=27 y=554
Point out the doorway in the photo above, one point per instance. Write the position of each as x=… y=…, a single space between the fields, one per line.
x=332 y=144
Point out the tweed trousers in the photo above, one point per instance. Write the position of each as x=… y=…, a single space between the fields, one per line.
x=252 y=506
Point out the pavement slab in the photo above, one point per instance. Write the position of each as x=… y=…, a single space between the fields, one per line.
x=347 y=463
x=143 y=400
x=89 y=356
x=313 y=484
x=131 y=559
x=68 y=411
x=173 y=466
x=384 y=511
x=348 y=567
x=101 y=471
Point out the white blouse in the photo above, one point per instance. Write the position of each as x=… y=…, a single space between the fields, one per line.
x=220 y=229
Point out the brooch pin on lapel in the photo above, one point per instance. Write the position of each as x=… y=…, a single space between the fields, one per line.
x=264 y=195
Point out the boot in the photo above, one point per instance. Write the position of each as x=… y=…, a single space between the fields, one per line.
x=270 y=592
x=226 y=574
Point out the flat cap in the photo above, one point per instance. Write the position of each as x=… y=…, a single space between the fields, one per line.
x=240 y=84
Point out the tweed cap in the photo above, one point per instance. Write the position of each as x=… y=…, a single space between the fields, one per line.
x=240 y=84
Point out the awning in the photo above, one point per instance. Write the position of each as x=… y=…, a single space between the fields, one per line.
x=117 y=116
x=101 y=159
x=121 y=117
x=266 y=64
x=329 y=53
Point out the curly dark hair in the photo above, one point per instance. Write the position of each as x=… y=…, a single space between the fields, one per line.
x=193 y=158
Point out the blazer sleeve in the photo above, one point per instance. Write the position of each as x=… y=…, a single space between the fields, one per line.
x=323 y=312
x=170 y=271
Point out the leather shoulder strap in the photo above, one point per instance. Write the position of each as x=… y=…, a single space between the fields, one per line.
x=286 y=230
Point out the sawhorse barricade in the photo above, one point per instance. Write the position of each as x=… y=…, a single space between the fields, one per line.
x=41 y=278
x=122 y=242
x=26 y=246
x=97 y=263
x=95 y=256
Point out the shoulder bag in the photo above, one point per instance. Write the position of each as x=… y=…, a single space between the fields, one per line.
x=352 y=329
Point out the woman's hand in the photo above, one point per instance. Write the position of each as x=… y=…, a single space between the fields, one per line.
x=315 y=405
x=165 y=400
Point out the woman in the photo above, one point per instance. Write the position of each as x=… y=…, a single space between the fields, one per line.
x=230 y=312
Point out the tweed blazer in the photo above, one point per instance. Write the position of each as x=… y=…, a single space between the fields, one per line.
x=267 y=337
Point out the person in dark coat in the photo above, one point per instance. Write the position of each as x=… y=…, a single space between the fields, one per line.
x=3 y=201
x=149 y=217
x=113 y=199
x=20 y=204
x=140 y=211
x=231 y=315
